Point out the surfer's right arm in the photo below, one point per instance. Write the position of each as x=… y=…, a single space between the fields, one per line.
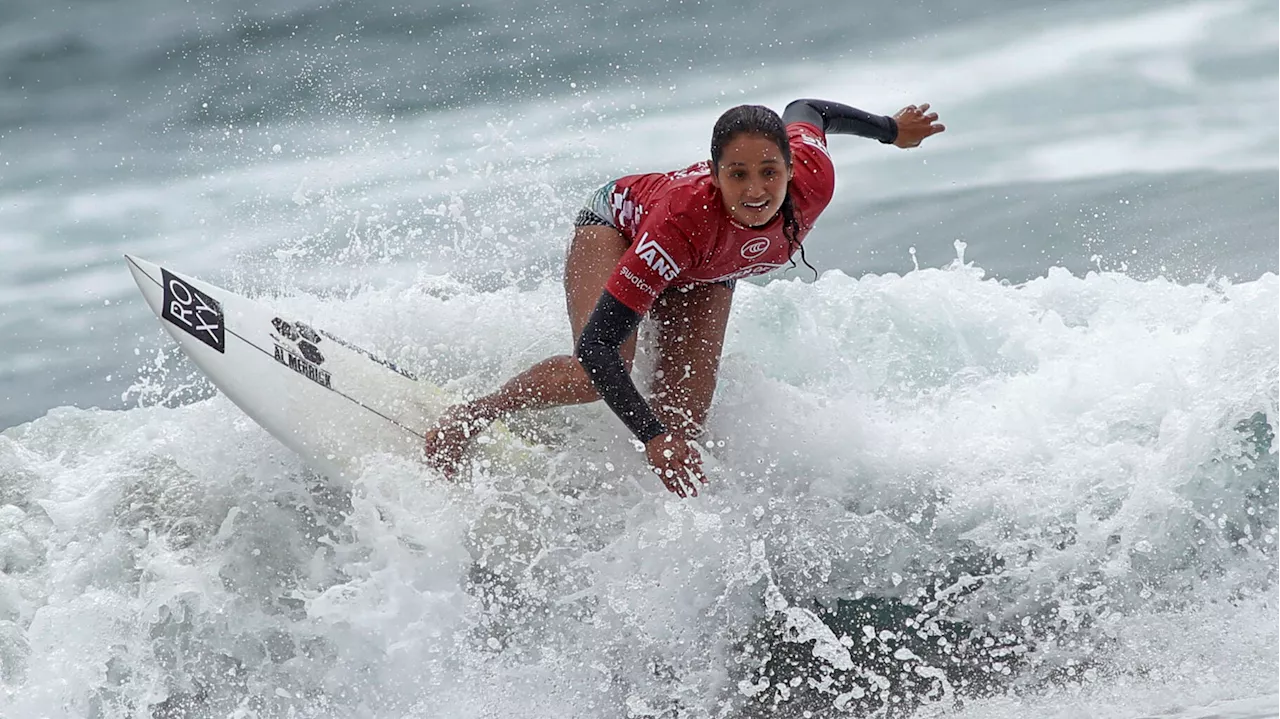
x=628 y=294
x=600 y=352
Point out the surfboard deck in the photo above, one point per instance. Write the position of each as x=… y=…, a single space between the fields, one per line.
x=331 y=401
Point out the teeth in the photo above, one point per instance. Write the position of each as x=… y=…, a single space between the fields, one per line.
x=756 y=204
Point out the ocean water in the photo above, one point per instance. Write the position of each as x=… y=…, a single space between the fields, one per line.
x=1012 y=453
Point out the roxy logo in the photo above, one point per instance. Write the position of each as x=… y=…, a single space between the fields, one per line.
x=755 y=248
x=192 y=311
x=656 y=257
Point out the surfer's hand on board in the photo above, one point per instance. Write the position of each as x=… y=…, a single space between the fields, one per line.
x=676 y=463
x=915 y=123
x=447 y=440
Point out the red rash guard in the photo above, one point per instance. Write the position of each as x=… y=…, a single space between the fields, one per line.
x=681 y=234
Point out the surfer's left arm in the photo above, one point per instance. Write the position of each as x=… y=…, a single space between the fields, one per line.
x=906 y=128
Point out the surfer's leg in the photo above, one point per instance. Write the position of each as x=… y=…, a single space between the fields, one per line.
x=561 y=380
x=691 y=323
x=556 y=381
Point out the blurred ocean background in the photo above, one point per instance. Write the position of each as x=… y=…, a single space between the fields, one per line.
x=1012 y=454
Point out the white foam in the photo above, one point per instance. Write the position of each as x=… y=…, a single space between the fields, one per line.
x=1094 y=432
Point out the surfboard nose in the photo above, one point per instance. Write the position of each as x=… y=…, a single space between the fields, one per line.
x=147 y=276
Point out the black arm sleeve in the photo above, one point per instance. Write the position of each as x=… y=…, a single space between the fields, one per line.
x=599 y=351
x=839 y=119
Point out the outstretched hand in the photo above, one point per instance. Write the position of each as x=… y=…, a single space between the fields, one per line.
x=914 y=124
x=676 y=463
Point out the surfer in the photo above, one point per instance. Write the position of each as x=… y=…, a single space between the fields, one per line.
x=670 y=246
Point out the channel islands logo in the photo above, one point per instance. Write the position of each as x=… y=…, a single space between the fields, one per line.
x=755 y=248
x=295 y=348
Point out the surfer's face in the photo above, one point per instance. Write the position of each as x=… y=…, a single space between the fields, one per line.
x=752 y=176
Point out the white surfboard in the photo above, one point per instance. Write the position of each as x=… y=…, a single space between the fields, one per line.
x=330 y=401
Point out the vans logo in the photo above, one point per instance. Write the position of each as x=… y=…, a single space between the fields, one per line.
x=192 y=311
x=656 y=257
x=755 y=248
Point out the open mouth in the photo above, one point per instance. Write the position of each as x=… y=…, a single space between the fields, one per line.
x=756 y=206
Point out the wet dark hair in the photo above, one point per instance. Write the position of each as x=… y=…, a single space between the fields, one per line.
x=760 y=120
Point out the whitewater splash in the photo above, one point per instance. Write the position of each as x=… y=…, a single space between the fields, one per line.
x=935 y=494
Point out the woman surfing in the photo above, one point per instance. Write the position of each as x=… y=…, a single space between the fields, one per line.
x=670 y=246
